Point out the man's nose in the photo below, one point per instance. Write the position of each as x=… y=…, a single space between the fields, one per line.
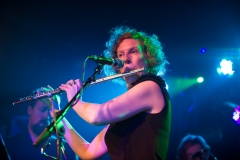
x=126 y=59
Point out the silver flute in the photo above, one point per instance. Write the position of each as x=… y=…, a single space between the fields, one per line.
x=59 y=91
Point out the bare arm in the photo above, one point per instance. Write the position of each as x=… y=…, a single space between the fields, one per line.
x=145 y=96
x=81 y=147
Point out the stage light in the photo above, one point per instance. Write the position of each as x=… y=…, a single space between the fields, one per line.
x=203 y=50
x=180 y=84
x=200 y=79
x=225 y=68
x=166 y=86
x=236 y=114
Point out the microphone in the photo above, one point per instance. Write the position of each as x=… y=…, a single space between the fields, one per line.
x=116 y=63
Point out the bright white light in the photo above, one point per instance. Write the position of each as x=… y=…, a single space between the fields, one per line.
x=226 y=67
x=236 y=115
x=166 y=86
x=200 y=79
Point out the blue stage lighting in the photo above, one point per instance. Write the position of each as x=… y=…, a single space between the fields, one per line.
x=203 y=50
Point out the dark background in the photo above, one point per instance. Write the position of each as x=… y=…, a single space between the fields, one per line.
x=46 y=42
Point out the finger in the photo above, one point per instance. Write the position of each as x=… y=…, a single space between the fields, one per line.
x=77 y=82
x=70 y=82
x=49 y=87
x=66 y=86
x=38 y=91
x=76 y=87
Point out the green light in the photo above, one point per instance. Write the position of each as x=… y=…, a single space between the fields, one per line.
x=179 y=85
x=200 y=79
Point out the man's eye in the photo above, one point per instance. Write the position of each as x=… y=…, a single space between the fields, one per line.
x=120 y=55
x=134 y=51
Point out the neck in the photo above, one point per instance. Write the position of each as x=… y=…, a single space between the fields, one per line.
x=130 y=79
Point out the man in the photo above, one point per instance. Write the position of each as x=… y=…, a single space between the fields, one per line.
x=21 y=146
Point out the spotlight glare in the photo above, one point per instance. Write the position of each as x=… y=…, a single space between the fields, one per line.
x=200 y=79
x=226 y=67
x=203 y=50
x=166 y=86
x=236 y=114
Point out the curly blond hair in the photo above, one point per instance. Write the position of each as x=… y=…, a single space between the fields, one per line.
x=156 y=59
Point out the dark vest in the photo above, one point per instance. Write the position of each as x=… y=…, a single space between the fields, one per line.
x=143 y=136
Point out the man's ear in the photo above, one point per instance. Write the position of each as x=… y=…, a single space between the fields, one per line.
x=30 y=110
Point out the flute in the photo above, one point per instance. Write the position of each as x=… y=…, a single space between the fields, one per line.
x=59 y=91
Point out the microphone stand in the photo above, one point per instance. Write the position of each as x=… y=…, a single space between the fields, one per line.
x=48 y=130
